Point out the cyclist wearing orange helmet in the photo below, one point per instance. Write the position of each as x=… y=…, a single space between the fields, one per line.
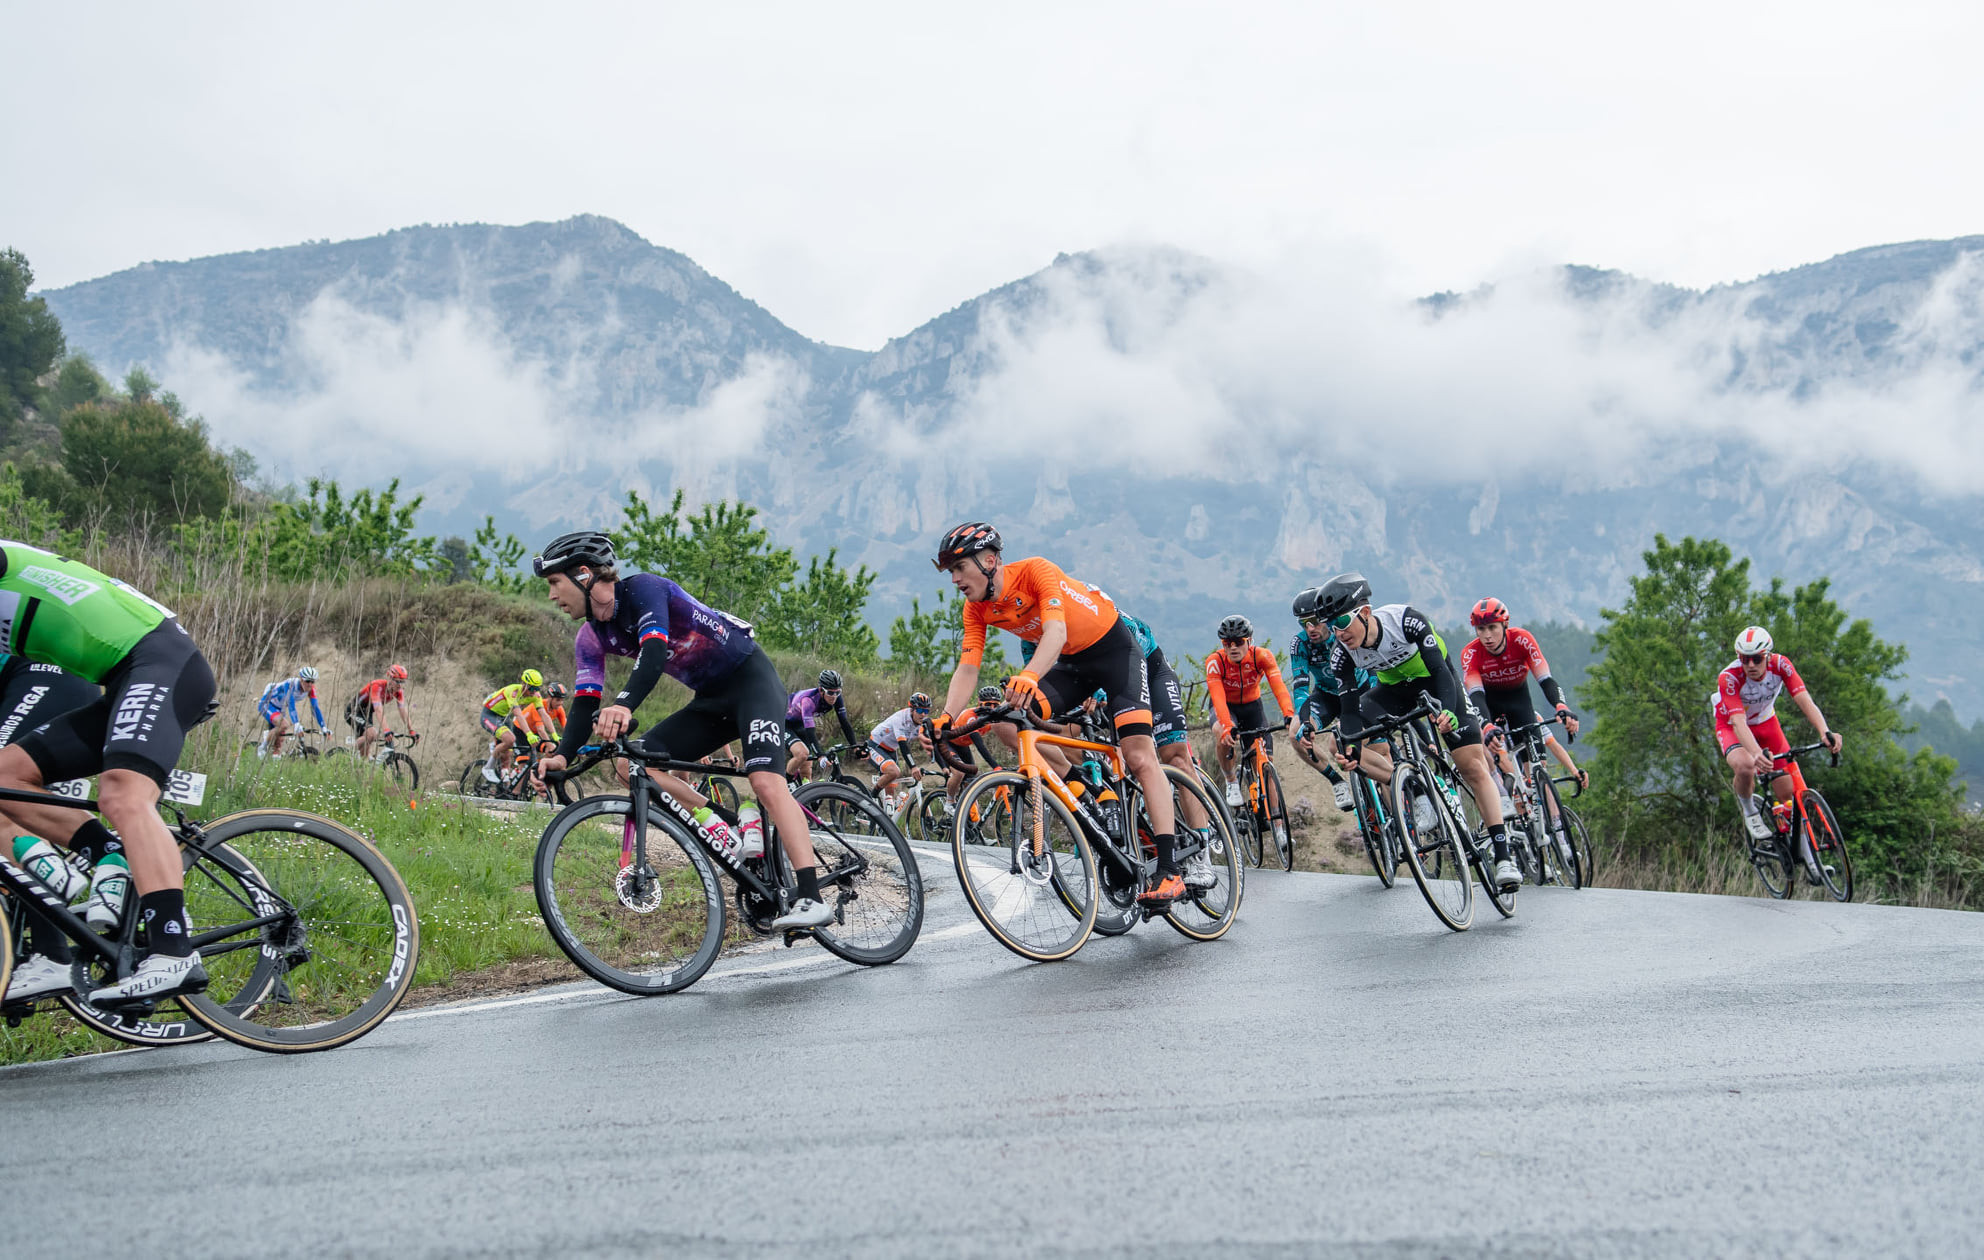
x=365 y=707
x=1496 y=666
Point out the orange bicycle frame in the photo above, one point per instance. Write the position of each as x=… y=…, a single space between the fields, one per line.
x=1039 y=773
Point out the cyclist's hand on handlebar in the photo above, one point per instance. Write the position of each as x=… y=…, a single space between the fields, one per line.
x=1834 y=740
x=1570 y=718
x=1444 y=721
x=1226 y=739
x=1023 y=693
x=1763 y=762
x=613 y=721
x=549 y=765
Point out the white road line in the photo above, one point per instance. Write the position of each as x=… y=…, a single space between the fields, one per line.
x=597 y=991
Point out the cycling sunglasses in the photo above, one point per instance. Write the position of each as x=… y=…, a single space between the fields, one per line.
x=1754 y=659
x=1337 y=622
x=1233 y=642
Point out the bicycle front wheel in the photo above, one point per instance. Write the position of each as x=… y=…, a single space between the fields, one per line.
x=1379 y=845
x=1773 y=862
x=307 y=932
x=644 y=928
x=404 y=772
x=1558 y=845
x=1031 y=879
x=867 y=874
x=1433 y=853
x=1828 y=845
x=1275 y=803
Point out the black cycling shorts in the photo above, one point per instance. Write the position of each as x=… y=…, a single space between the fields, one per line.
x=748 y=703
x=33 y=694
x=1390 y=700
x=1251 y=715
x=797 y=732
x=1322 y=710
x=162 y=689
x=359 y=716
x=1167 y=700
x=1113 y=665
x=1510 y=707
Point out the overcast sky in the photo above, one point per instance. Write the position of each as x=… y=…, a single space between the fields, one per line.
x=858 y=168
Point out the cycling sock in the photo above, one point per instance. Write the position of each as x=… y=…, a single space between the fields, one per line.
x=1167 y=853
x=809 y=883
x=1330 y=772
x=163 y=914
x=1498 y=837
x=95 y=841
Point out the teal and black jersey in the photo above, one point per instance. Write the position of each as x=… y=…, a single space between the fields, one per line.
x=1311 y=679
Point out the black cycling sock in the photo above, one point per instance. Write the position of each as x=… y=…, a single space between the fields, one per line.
x=163 y=916
x=95 y=841
x=1167 y=853
x=1498 y=837
x=1330 y=772
x=809 y=883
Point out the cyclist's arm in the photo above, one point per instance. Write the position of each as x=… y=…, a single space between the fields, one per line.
x=647 y=672
x=846 y=726
x=1298 y=664
x=588 y=681
x=971 y=652
x=1053 y=637
x=1439 y=669
x=317 y=710
x=1541 y=668
x=406 y=719
x=1809 y=707
x=1222 y=718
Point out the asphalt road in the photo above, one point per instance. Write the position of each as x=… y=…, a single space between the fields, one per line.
x=1608 y=1074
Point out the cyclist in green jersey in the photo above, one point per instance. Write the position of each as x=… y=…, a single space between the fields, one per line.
x=157 y=686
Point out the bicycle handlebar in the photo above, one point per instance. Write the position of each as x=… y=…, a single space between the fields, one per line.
x=1254 y=731
x=1790 y=753
x=1425 y=708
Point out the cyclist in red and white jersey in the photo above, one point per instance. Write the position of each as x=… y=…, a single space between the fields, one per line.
x=1748 y=690
x=1496 y=666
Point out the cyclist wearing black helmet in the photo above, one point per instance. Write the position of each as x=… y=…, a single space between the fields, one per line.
x=1081 y=644
x=1318 y=701
x=802 y=712
x=1406 y=658
x=736 y=690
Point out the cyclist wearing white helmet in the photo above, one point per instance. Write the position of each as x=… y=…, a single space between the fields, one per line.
x=1748 y=689
x=277 y=708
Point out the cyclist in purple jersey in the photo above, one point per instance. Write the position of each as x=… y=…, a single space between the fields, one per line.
x=737 y=691
x=802 y=715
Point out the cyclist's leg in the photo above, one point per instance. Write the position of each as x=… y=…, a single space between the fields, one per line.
x=798 y=743
x=1114 y=664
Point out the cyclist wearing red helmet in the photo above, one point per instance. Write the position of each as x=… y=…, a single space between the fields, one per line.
x=365 y=707
x=1496 y=666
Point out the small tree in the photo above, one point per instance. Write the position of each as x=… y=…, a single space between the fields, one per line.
x=825 y=614
x=721 y=556
x=30 y=340
x=136 y=459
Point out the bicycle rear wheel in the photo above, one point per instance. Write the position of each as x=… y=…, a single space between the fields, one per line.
x=404 y=772
x=1379 y=845
x=868 y=875
x=1436 y=860
x=1278 y=837
x=1773 y=862
x=642 y=930
x=472 y=782
x=1828 y=845
x=307 y=932
x=1206 y=914
x=1474 y=840
x=722 y=792
x=1558 y=844
x=1035 y=892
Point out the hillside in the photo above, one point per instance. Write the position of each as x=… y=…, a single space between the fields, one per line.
x=1200 y=439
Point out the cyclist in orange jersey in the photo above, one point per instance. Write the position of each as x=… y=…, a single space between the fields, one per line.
x=1081 y=645
x=1233 y=684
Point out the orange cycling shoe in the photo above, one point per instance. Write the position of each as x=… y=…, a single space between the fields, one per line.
x=1168 y=888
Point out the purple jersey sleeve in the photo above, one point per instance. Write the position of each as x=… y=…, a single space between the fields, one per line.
x=588 y=664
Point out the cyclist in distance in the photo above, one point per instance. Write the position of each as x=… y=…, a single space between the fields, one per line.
x=277 y=708
x=802 y=711
x=555 y=695
x=736 y=691
x=889 y=742
x=366 y=708
x=1405 y=659
x=1317 y=699
x=156 y=687
x=1081 y=644
x=502 y=717
x=1746 y=727
x=1233 y=684
x=1496 y=666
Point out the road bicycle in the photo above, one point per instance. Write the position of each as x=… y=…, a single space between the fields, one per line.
x=630 y=886
x=1261 y=826
x=1071 y=857
x=1546 y=837
x=298 y=741
x=388 y=756
x=1805 y=819
x=1426 y=805
x=306 y=932
x=514 y=784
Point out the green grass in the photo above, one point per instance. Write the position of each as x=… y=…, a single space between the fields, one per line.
x=467 y=870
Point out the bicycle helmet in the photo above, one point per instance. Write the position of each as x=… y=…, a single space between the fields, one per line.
x=586 y=547
x=1754 y=641
x=1346 y=592
x=830 y=680
x=919 y=702
x=397 y=673
x=306 y=673
x=1234 y=628
x=1488 y=612
x=967 y=539
x=1307 y=603
x=989 y=694
x=556 y=691
x=532 y=678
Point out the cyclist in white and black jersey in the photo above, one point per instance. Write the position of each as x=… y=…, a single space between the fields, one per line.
x=888 y=742
x=1405 y=658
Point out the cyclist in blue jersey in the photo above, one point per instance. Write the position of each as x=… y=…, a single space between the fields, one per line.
x=736 y=690
x=277 y=707
x=1318 y=698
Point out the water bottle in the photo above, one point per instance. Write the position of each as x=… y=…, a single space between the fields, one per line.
x=751 y=830
x=717 y=834
x=1111 y=808
x=45 y=862
x=109 y=887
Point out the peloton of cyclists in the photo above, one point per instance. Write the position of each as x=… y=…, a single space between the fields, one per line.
x=802 y=713
x=277 y=709
x=366 y=708
x=1495 y=667
x=1748 y=689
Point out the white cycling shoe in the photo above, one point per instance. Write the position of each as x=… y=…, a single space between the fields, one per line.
x=805 y=913
x=1508 y=876
x=1199 y=873
x=1233 y=795
x=40 y=977
x=1754 y=820
x=158 y=976
x=1343 y=801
